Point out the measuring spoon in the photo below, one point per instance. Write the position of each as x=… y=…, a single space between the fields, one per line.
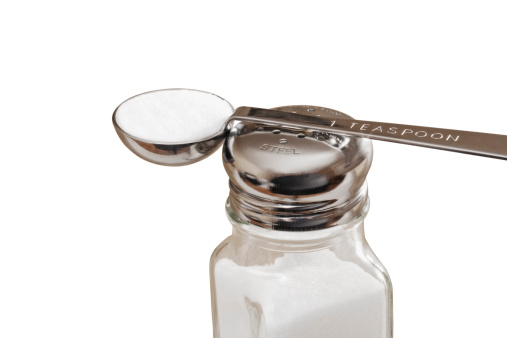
x=182 y=126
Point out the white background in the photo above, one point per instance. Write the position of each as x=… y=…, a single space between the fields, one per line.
x=95 y=242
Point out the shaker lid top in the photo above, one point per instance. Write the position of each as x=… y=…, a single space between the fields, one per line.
x=281 y=175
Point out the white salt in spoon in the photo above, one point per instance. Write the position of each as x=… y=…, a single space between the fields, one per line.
x=182 y=126
x=173 y=126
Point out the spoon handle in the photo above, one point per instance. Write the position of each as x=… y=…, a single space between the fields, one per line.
x=468 y=142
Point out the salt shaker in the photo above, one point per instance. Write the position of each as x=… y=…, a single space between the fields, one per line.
x=297 y=263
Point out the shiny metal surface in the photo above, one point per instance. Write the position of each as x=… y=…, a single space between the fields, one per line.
x=294 y=179
x=467 y=142
x=170 y=153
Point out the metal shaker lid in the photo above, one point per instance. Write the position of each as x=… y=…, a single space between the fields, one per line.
x=294 y=179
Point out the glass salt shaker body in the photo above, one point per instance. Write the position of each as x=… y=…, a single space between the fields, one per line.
x=297 y=263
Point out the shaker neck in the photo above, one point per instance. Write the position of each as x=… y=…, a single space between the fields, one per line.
x=297 y=214
x=297 y=241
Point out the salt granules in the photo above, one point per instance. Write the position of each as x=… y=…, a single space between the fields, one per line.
x=300 y=296
x=173 y=115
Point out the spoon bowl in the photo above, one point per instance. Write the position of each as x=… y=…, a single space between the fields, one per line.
x=173 y=127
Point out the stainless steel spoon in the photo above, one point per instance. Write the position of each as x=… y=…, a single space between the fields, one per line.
x=183 y=153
